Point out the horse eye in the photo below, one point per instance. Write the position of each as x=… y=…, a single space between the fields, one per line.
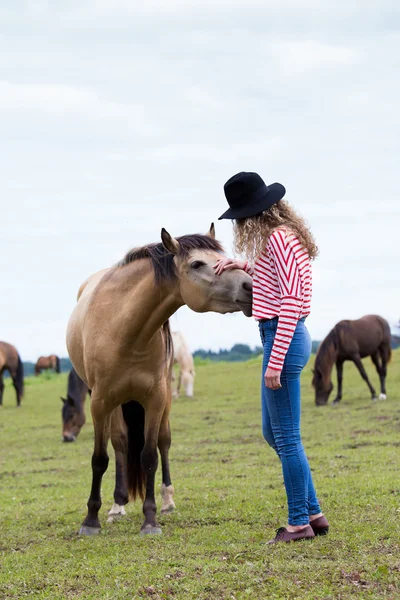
x=197 y=264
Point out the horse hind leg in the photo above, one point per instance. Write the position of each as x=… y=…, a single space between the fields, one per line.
x=1 y=389
x=119 y=440
x=384 y=352
x=17 y=389
x=91 y=524
x=164 y=444
x=357 y=361
x=149 y=463
x=173 y=380
x=179 y=384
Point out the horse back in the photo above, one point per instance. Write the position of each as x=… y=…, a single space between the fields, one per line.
x=363 y=336
x=8 y=356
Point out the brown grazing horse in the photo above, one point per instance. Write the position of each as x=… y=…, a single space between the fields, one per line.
x=119 y=342
x=352 y=340
x=73 y=408
x=11 y=361
x=47 y=362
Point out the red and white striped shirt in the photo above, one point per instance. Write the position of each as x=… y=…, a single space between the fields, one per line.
x=282 y=287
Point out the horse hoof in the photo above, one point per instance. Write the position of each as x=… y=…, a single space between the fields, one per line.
x=382 y=397
x=150 y=530
x=374 y=398
x=168 y=509
x=112 y=518
x=116 y=511
x=85 y=530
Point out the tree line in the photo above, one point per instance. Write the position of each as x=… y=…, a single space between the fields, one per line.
x=238 y=353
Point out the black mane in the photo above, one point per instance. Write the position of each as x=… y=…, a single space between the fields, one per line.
x=163 y=261
x=325 y=352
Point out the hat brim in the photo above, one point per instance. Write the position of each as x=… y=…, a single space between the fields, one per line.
x=275 y=192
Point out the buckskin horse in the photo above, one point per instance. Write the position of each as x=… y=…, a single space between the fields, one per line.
x=11 y=361
x=47 y=362
x=73 y=408
x=352 y=340
x=119 y=342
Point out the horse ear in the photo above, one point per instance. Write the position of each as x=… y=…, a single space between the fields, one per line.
x=169 y=243
x=63 y=400
x=211 y=232
x=70 y=401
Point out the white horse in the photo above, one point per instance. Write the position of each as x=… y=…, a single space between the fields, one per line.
x=184 y=359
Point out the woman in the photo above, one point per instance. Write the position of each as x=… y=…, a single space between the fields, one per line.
x=279 y=248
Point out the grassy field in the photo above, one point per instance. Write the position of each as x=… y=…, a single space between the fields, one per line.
x=229 y=496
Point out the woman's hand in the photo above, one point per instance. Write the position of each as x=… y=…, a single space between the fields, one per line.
x=224 y=264
x=272 y=379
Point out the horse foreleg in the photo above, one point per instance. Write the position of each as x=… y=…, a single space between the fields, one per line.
x=363 y=373
x=149 y=463
x=188 y=383
x=339 y=370
x=91 y=525
x=1 y=389
x=164 y=444
x=119 y=440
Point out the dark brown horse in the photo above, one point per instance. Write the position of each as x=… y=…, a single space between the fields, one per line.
x=352 y=340
x=11 y=361
x=73 y=408
x=119 y=342
x=47 y=362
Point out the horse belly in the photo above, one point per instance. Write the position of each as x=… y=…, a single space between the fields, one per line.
x=370 y=347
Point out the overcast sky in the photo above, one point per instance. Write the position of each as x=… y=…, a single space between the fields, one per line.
x=119 y=118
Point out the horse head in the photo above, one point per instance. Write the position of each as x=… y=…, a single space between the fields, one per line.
x=73 y=418
x=199 y=287
x=323 y=386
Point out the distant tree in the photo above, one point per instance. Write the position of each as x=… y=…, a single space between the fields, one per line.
x=238 y=353
x=241 y=349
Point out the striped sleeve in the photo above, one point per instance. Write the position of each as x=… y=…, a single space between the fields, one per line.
x=289 y=282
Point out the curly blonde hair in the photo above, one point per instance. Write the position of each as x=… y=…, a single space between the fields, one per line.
x=251 y=234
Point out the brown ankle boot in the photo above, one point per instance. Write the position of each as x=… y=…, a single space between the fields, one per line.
x=320 y=525
x=283 y=535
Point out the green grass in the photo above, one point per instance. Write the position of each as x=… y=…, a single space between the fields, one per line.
x=229 y=496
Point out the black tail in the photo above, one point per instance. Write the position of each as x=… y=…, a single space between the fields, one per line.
x=58 y=368
x=134 y=418
x=19 y=377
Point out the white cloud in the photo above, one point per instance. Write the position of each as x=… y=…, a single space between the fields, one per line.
x=298 y=57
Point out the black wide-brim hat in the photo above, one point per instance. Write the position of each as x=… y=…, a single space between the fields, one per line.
x=247 y=195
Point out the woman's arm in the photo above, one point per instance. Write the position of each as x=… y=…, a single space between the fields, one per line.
x=232 y=263
x=289 y=281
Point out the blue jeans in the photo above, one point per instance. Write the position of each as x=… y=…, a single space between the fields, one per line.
x=281 y=421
